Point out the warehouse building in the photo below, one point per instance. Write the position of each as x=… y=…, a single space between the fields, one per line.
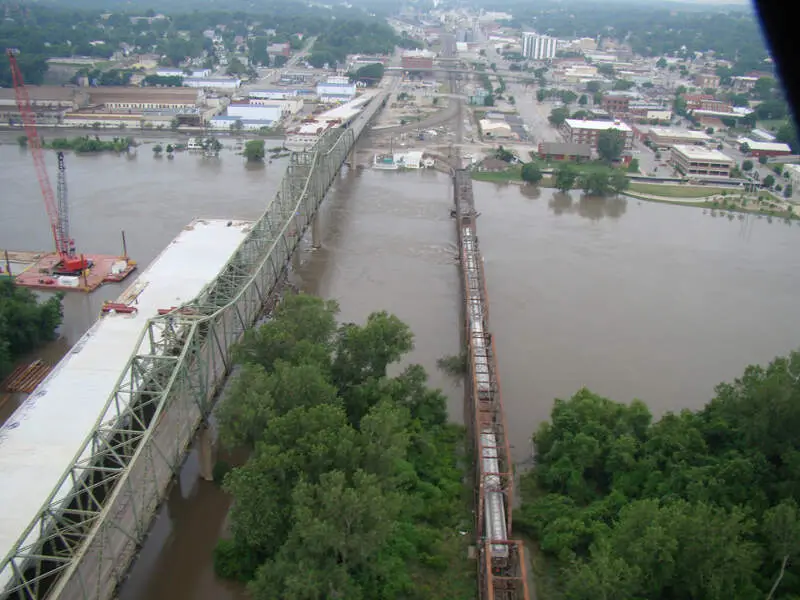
x=664 y=137
x=256 y=112
x=765 y=148
x=696 y=161
x=336 y=90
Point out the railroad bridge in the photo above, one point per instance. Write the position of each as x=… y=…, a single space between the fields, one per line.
x=82 y=538
x=501 y=560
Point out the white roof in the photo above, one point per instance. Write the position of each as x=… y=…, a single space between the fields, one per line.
x=700 y=153
x=594 y=125
x=348 y=110
x=699 y=136
x=487 y=125
x=39 y=441
x=764 y=146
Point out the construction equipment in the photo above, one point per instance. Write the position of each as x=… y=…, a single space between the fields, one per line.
x=58 y=214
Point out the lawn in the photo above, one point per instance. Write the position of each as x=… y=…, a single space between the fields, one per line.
x=511 y=174
x=676 y=191
x=581 y=167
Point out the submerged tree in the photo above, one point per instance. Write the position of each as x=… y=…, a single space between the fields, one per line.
x=352 y=488
x=696 y=505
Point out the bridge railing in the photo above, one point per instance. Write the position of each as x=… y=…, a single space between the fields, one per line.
x=89 y=529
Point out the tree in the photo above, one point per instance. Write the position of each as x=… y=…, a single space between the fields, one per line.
x=768 y=181
x=709 y=131
x=747 y=165
x=371 y=73
x=558 y=116
x=782 y=530
x=762 y=160
x=593 y=87
x=157 y=150
x=568 y=97
x=786 y=133
x=622 y=85
x=22 y=141
x=25 y=324
x=254 y=150
x=610 y=144
x=788 y=191
x=565 y=177
x=583 y=100
x=618 y=181
x=531 y=173
x=633 y=166
x=595 y=183
x=170 y=149
x=488 y=100
x=662 y=63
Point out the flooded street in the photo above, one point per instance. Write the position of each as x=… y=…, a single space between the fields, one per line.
x=629 y=298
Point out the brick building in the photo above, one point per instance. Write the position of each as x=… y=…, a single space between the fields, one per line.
x=586 y=132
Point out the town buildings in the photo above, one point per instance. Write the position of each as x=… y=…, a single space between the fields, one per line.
x=587 y=132
x=701 y=162
x=538 y=47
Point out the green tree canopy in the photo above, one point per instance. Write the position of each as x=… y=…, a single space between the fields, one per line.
x=610 y=144
x=531 y=173
x=695 y=505
x=25 y=324
x=565 y=177
x=353 y=487
x=254 y=150
x=558 y=116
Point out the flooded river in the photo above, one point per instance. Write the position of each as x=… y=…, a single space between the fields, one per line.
x=629 y=298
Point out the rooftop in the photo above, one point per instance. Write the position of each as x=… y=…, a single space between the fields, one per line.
x=579 y=124
x=38 y=443
x=699 y=136
x=699 y=153
x=173 y=95
x=764 y=146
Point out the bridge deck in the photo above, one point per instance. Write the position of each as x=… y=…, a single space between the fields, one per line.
x=38 y=443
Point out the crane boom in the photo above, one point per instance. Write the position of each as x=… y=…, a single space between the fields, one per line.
x=58 y=222
x=63 y=206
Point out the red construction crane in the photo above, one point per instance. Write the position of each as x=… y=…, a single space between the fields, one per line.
x=59 y=222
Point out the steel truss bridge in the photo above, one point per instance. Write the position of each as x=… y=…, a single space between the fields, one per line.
x=88 y=532
x=501 y=560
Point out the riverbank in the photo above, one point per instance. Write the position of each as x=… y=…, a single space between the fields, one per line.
x=761 y=206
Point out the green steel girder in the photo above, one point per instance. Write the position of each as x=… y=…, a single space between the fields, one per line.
x=88 y=531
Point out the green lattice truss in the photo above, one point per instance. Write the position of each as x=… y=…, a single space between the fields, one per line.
x=80 y=546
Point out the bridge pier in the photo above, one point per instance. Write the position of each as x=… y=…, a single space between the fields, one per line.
x=207 y=451
x=316 y=236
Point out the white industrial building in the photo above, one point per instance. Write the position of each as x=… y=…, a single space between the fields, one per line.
x=226 y=123
x=196 y=73
x=257 y=112
x=273 y=94
x=538 y=47
x=213 y=83
x=336 y=89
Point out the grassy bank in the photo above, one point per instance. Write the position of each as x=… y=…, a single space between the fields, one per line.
x=675 y=191
x=513 y=173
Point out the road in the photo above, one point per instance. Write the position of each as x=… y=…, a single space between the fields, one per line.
x=534 y=114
